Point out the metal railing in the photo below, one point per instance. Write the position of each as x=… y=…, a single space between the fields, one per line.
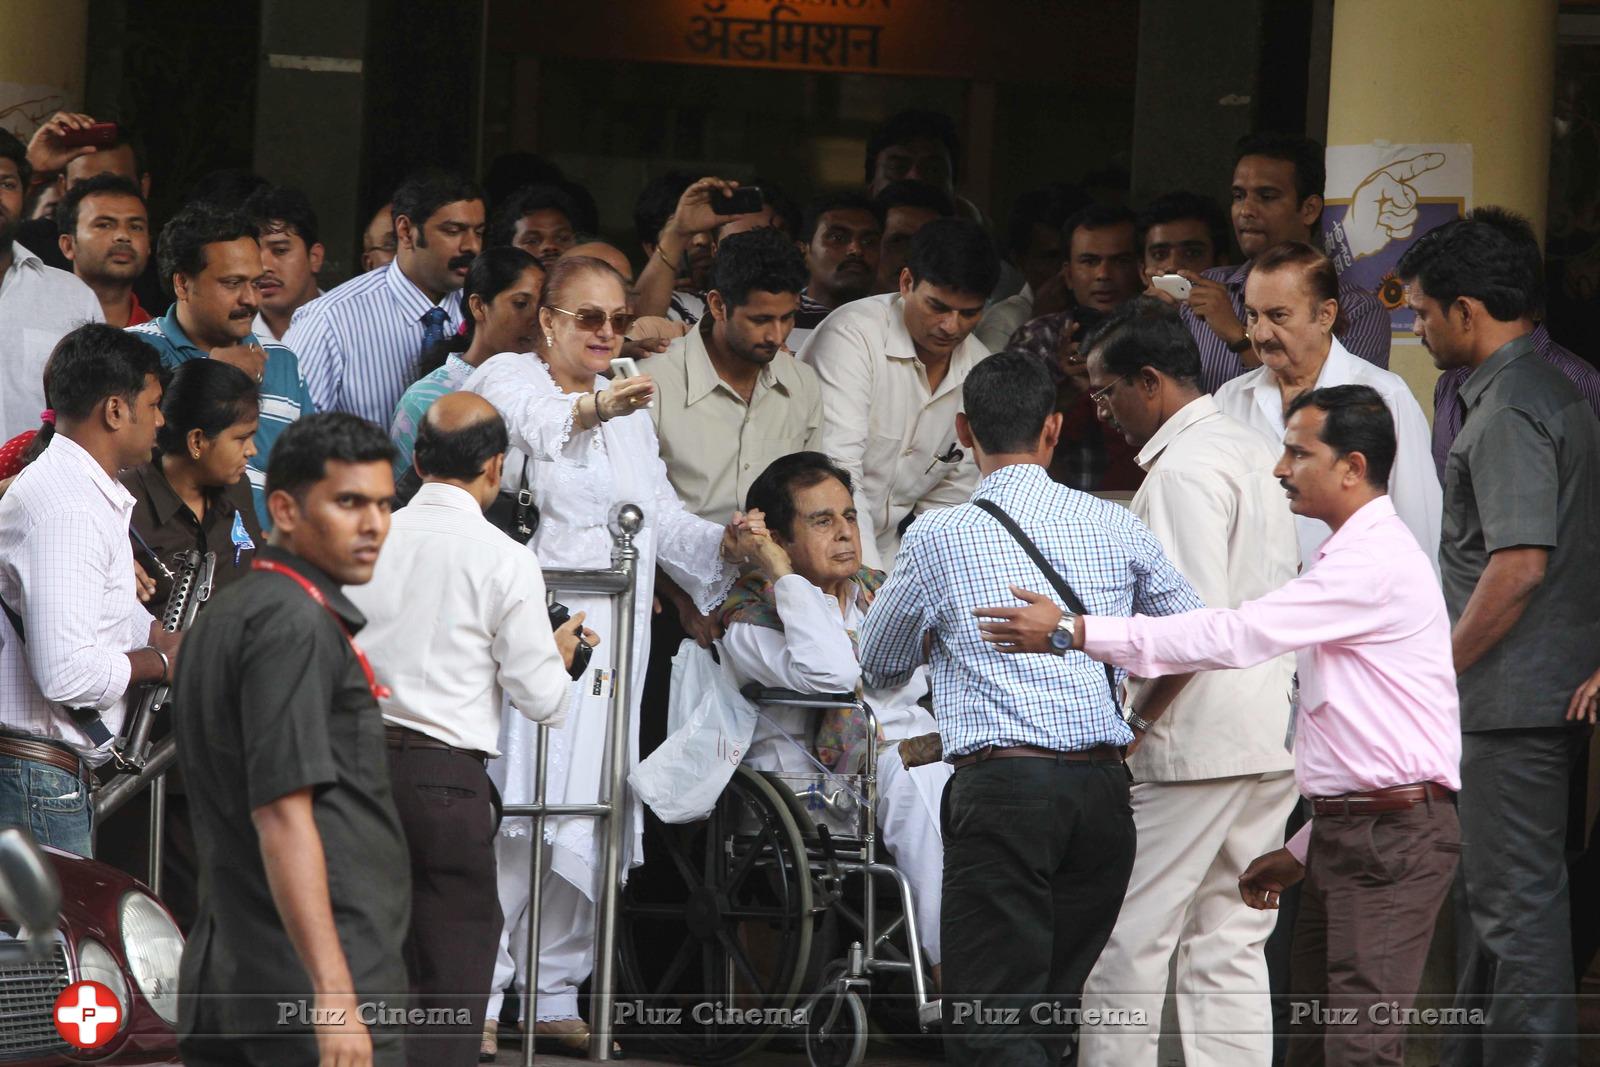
x=611 y=811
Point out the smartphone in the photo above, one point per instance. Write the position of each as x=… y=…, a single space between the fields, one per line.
x=100 y=135
x=628 y=367
x=1174 y=285
x=744 y=200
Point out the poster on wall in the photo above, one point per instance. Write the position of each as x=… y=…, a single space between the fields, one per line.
x=1380 y=198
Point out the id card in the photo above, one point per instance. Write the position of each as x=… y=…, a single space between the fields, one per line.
x=1294 y=711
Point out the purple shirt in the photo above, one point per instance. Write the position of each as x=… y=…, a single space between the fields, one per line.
x=1363 y=328
x=1448 y=410
x=1368 y=624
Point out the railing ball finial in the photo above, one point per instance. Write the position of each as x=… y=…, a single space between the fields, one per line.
x=626 y=520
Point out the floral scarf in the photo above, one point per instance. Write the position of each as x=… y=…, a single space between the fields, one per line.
x=842 y=734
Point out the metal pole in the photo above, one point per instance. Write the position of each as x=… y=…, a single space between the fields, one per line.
x=530 y=986
x=158 y=819
x=625 y=523
x=870 y=773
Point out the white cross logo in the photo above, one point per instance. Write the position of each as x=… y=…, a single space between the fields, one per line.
x=87 y=1014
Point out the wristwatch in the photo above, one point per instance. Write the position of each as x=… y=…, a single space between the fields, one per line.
x=1061 y=638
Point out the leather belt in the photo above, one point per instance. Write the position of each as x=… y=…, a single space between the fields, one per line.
x=39 y=751
x=1376 y=801
x=1097 y=754
x=403 y=737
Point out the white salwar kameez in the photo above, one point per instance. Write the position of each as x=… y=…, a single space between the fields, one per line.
x=813 y=653
x=577 y=478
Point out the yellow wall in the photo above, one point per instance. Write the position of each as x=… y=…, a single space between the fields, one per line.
x=42 y=44
x=1479 y=72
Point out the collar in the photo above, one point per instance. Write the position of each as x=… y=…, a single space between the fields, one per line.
x=1484 y=373
x=1196 y=411
x=185 y=348
x=1026 y=292
x=1010 y=474
x=809 y=304
x=450 y=497
x=164 y=500
x=20 y=256
x=1365 y=518
x=412 y=300
x=137 y=315
x=347 y=612
x=701 y=378
x=66 y=450
x=1237 y=278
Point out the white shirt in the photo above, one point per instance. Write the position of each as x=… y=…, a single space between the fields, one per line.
x=456 y=617
x=263 y=330
x=38 y=306
x=66 y=566
x=1002 y=319
x=1221 y=517
x=813 y=654
x=358 y=343
x=883 y=425
x=1255 y=400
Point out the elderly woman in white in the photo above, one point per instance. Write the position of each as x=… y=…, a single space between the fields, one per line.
x=584 y=446
x=791 y=624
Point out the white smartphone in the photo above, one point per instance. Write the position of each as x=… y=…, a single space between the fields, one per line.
x=628 y=367
x=1174 y=285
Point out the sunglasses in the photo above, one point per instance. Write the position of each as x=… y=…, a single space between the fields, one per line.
x=591 y=319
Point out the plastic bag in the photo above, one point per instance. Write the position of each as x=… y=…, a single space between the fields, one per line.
x=710 y=726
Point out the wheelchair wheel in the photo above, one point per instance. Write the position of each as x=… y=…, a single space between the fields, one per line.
x=716 y=927
x=836 y=1030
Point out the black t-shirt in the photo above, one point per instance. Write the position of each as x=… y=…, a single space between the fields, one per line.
x=40 y=237
x=270 y=699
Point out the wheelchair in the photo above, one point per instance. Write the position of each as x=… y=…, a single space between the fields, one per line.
x=726 y=936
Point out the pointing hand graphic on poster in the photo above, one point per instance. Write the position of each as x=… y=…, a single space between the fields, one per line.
x=1384 y=206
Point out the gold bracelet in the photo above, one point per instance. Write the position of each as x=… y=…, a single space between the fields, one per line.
x=670 y=265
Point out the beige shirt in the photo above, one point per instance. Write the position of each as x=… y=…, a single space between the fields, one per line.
x=713 y=443
x=1211 y=500
x=883 y=424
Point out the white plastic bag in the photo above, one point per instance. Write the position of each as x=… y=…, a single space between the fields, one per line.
x=709 y=726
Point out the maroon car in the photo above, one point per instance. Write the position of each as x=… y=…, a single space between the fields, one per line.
x=111 y=930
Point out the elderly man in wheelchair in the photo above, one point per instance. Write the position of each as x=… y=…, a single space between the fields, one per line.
x=791 y=624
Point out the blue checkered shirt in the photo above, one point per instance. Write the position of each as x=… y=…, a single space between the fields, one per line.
x=960 y=558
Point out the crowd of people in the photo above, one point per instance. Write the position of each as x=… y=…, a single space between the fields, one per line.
x=1166 y=604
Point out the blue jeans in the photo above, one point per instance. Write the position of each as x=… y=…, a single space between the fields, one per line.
x=49 y=802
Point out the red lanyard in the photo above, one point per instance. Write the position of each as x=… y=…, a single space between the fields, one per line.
x=379 y=692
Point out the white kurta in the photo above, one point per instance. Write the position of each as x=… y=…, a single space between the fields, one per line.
x=577 y=479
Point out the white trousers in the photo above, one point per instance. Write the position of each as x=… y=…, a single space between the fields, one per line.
x=1195 y=839
x=566 y=943
x=908 y=815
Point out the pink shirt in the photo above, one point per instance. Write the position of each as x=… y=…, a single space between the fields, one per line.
x=1368 y=625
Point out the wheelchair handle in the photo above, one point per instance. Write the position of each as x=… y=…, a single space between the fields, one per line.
x=758 y=694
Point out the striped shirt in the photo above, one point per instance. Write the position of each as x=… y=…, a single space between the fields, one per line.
x=359 y=342
x=959 y=558
x=284 y=395
x=1363 y=328
x=415 y=404
x=1448 y=411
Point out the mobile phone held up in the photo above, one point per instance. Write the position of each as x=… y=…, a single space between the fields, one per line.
x=1174 y=285
x=744 y=200
x=99 y=135
x=628 y=367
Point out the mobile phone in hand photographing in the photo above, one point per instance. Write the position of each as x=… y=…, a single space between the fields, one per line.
x=627 y=367
x=1174 y=285
x=100 y=135
x=744 y=200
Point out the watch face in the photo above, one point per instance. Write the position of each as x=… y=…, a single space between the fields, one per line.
x=1060 y=641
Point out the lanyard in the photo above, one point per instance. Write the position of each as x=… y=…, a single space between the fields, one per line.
x=379 y=692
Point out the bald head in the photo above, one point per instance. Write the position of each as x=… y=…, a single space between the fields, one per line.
x=462 y=442
x=609 y=254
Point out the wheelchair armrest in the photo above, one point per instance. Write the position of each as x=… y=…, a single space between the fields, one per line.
x=758 y=694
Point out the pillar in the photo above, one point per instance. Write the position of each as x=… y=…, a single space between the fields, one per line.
x=1478 y=72
x=42 y=45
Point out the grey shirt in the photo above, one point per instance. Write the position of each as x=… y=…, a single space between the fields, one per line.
x=1525 y=471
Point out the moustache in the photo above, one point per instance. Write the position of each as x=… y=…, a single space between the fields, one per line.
x=461 y=262
x=242 y=313
x=1285 y=484
x=853 y=263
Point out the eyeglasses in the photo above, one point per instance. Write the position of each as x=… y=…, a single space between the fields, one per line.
x=1103 y=396
x=591 y=319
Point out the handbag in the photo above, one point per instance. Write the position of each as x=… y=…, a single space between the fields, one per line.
x=1056 y=581
x=513 y=513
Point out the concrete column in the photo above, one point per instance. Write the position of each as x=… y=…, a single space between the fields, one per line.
x=42 y=49
x=1478 y=72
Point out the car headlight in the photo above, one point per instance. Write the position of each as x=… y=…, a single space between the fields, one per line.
x=97 y=964
x=154 y=947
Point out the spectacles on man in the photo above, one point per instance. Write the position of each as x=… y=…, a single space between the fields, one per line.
x=1103 y=396
x=591 y=319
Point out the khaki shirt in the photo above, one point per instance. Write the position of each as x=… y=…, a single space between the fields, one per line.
x=895 y=436
x=713 y=443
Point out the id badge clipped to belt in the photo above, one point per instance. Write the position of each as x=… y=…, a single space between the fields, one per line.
x=1294 y=711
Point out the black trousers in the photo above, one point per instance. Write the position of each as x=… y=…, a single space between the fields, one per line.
x=1037 y=854
x=1514 y=954
x=450 y=813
